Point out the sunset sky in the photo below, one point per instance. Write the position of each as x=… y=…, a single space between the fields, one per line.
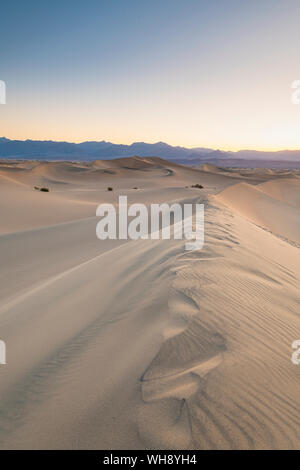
x=192 y=73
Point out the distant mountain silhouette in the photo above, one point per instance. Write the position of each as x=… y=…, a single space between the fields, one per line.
x=89 y=150
x=50 y=150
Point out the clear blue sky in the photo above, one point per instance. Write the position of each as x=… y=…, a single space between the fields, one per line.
x=195 y=73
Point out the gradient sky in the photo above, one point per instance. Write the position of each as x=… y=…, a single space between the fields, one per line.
x=192 y=73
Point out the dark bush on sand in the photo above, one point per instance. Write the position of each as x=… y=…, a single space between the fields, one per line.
x=44 y=190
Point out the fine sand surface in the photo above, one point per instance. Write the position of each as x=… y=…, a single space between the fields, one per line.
x=122 y=344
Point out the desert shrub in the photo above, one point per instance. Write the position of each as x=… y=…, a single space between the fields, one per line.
x=199 y=186
x=45 y=190
x=109 y=189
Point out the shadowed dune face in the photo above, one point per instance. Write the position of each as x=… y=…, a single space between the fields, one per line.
x=122 y=344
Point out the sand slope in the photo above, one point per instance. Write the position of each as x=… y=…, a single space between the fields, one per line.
x=141 y=344
x=279 y=214
x=285 y=190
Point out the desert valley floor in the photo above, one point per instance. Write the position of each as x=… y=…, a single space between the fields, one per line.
x=122 y=344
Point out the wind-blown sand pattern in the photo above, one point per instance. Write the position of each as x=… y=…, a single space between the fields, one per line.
x=141 y=344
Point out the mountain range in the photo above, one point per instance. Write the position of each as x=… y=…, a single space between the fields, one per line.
x=92 y=150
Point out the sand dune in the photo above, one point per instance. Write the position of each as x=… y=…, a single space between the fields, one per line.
x=285 y=190
x=279 y=214
x=77 y=188
x=122 y=344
